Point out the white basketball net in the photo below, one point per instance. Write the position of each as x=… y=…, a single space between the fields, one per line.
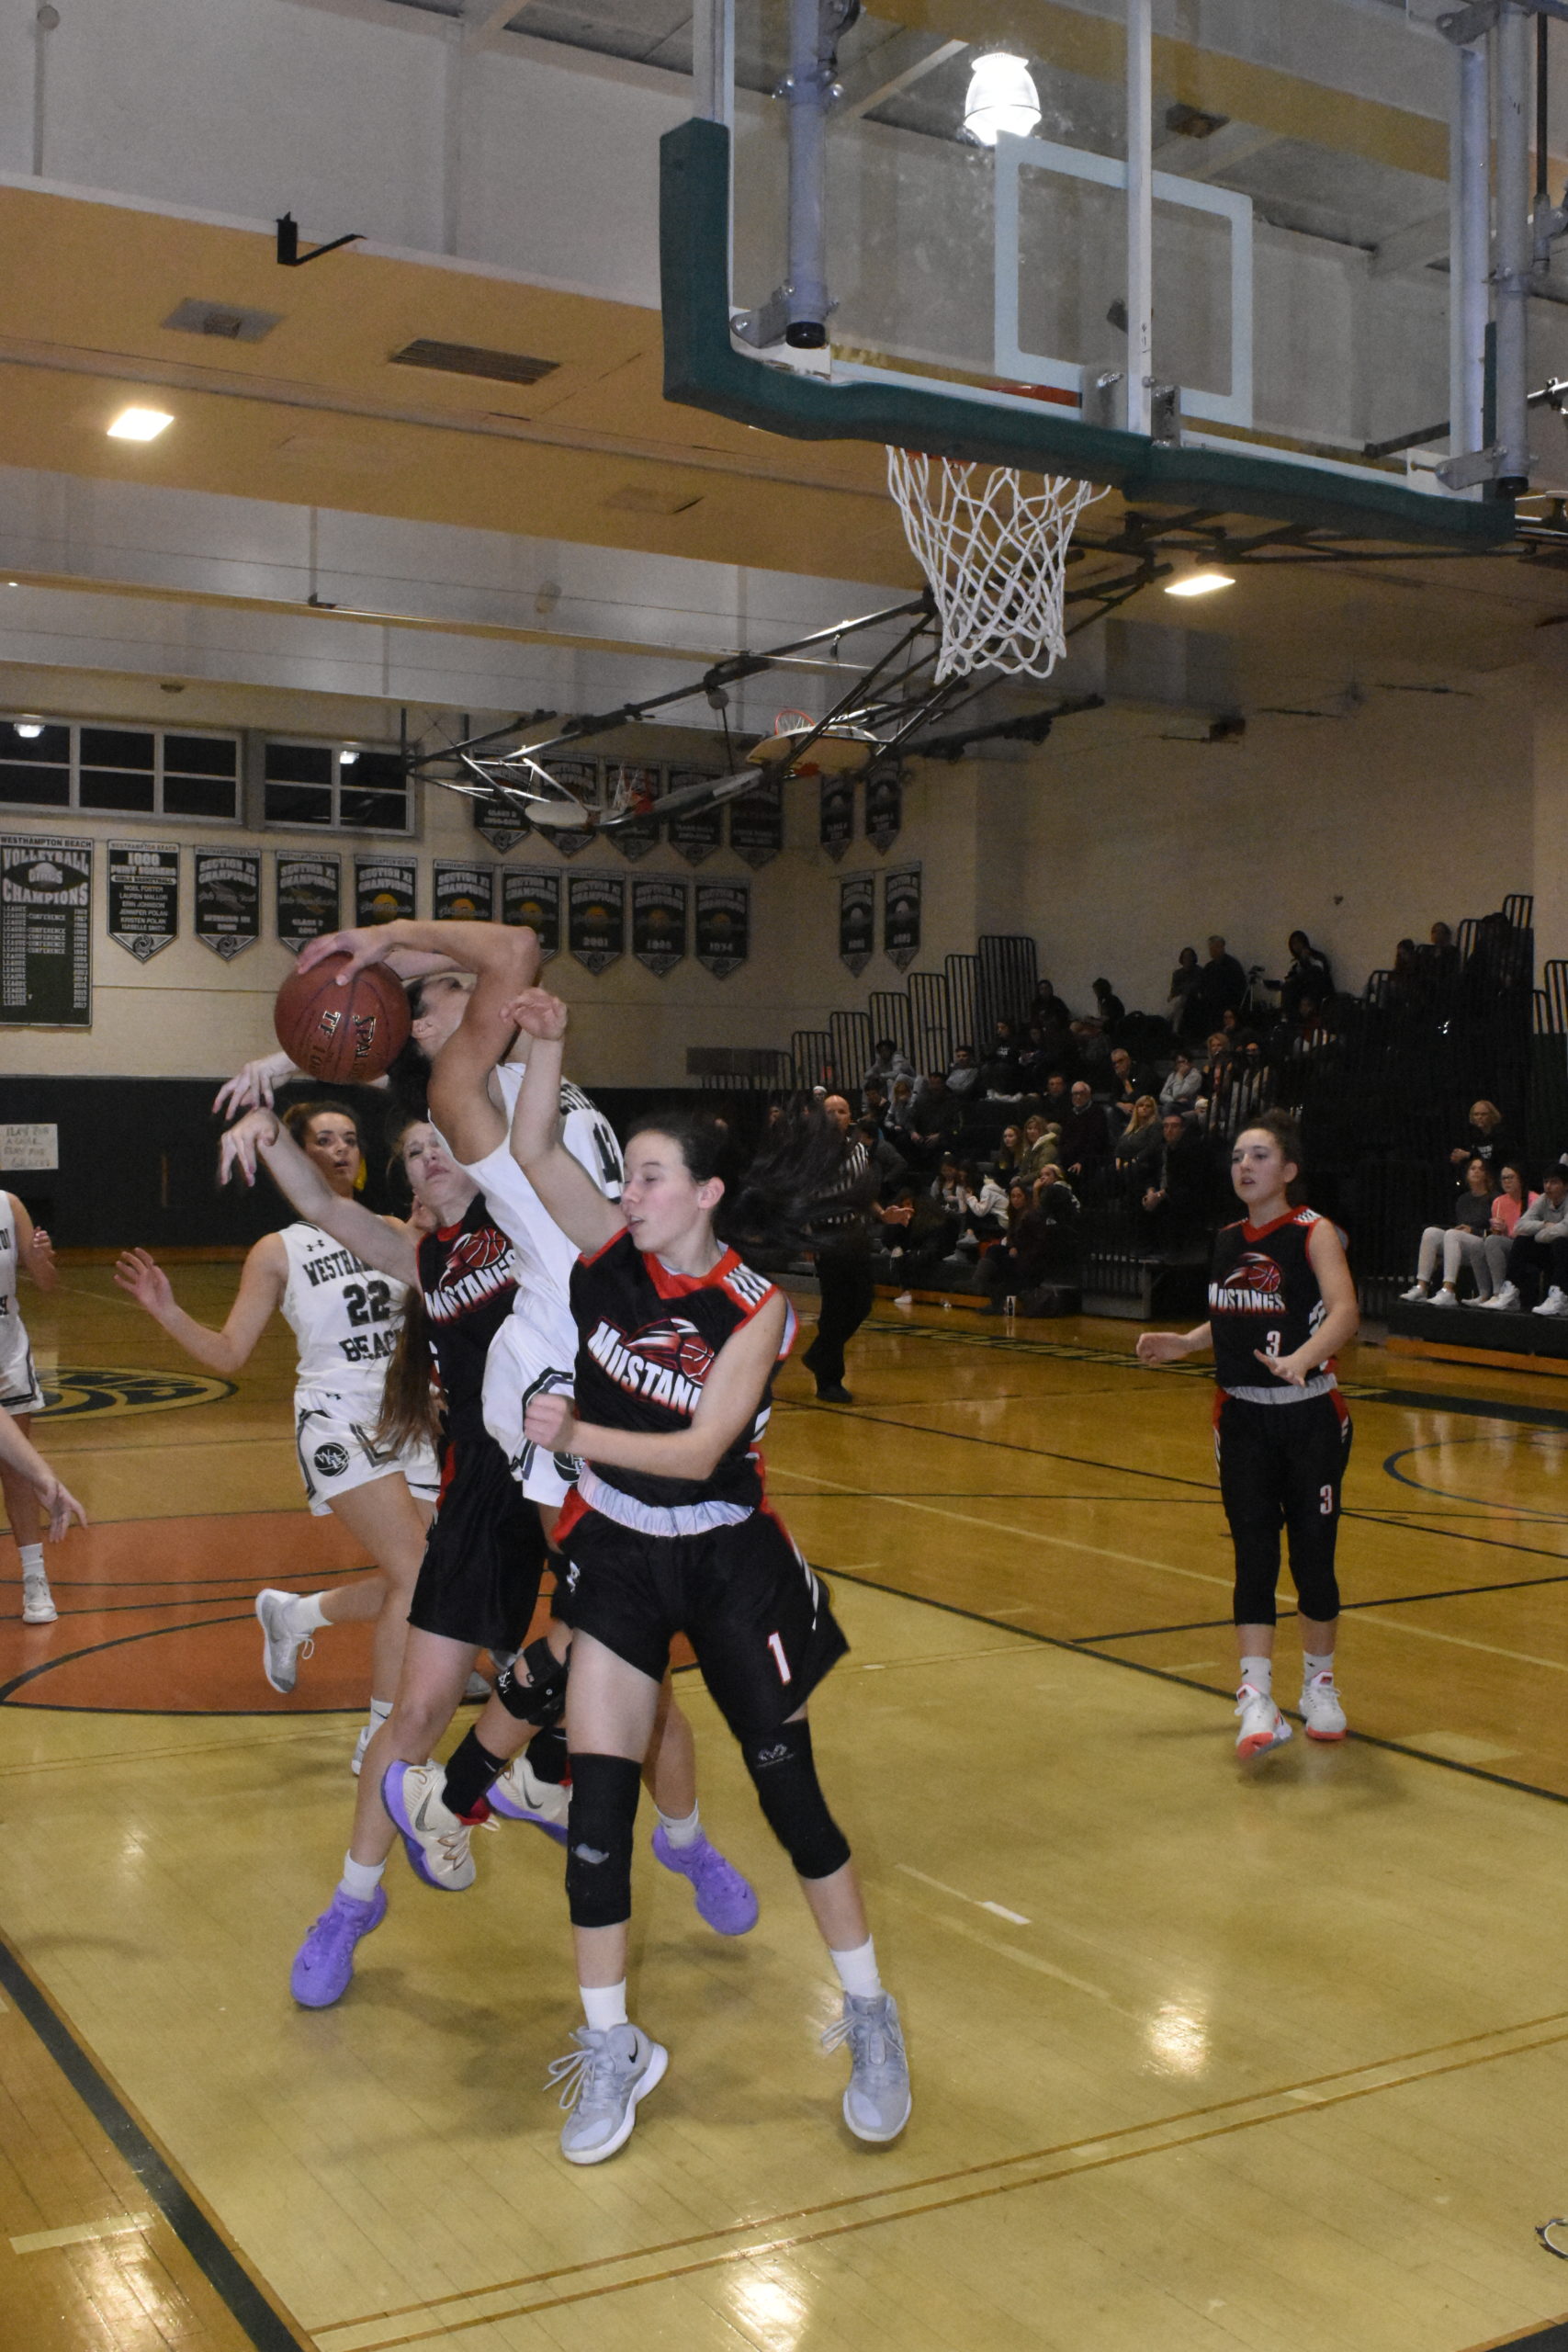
x=994 y=555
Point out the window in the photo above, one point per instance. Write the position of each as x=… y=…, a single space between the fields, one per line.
x=340 y=789
x=119 y=771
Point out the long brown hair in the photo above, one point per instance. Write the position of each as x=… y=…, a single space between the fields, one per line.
x=410 y=1408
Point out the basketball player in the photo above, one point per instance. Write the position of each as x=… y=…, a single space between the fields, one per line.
x=668 y=1532
x=346 y=1317
x=23 y=1245
x=1281 y=1302
x=461 y=1023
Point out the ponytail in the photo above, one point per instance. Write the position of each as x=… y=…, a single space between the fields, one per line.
x=409 y=1415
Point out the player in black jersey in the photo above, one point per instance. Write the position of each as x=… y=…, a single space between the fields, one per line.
x=1281 y=1302
x=668 y=1532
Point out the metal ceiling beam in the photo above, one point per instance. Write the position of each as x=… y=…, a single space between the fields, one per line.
x=896 y=65
x=486 y=21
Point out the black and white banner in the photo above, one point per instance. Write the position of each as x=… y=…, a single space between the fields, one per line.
x=883 y=806
x=45 y=932
x=228 y=900
x=530 y=895
x=596 y=918
x=640 y=785
x=659 y=921
x=310 y=892
x=722 y=926
x=836 y=814
x=144 y=897
x=857 y=920
x=384 y=889
x=700 y=831
x=580 y=777
x=463 y=892
x=502 y=821
x=756 y=822
x=901 y=915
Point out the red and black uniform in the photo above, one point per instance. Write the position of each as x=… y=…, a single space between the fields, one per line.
x=1281 y=1449
x=479 y=1577
x=648 y=1557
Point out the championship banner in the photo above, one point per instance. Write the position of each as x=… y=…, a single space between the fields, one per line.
x=581 y=776
x=756 y=822
x=700 y=831
x=857 y=920
x=384 y=889
x=530 y=895
x=659 y=923
x=309 y=888
x=722 y=927
x=884 y=806
x=463 y=893
x=228 y=901
x=45 y=932
x=502 y=821
x=836 y=814
x=595 y=918
x=901 y=915
x=144 y=897
x=642 y=787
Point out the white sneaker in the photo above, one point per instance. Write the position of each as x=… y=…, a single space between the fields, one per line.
x=905 y=1298
x=1445 y=1297
x=280 y=1645
x=1322 y=1713
x=1262 y=1724
x=477 y=1688
x=1507 y=1298
x=38 y=1602
x=436 y=1842
x=519 y=1794
x=1554 y=1302
x=877 y=2101
x=1415 y=1294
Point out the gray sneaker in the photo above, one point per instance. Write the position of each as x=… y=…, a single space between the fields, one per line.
x=280 y=1646
x=877 y=2102
x=602 y=2081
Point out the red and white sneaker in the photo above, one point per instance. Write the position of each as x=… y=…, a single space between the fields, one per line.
x=1262 y=1724
x=1322 y=1713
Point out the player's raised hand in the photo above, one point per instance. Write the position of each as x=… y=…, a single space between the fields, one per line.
x=252 y=1085
x=1161 y=1347
x=549 y=1422
x=539 y=1014
x=369 y=944
x=148 y=1285
x=60 y=1504
x=239 y=1147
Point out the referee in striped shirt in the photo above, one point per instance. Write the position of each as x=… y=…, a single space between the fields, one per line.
x=841 y=1240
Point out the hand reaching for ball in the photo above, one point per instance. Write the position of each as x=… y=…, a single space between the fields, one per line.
x=239 y=1148
x=539 y=1014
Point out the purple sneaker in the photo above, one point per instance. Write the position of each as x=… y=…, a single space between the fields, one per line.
x=323 y=1966
x=724 y=1898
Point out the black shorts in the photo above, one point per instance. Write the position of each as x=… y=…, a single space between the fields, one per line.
x=478 y=1580
x=756 y=1616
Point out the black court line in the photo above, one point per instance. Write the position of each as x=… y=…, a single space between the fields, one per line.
x=245 y=2299
x=1394 y=1600
x=120 y=1641
x=1553 y=2338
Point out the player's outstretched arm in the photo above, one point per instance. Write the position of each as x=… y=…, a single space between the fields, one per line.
x=390 y=1248
x=35 y=1250
x=261 y=1283
x=727 y=1404
x=564 y=1186
x=414 y=948
x=506 y=958
x=60 y=1505
x=1169 y=1347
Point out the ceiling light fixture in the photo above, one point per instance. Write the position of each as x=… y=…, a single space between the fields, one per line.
x=1200 y=584
x=1002 y=96
x=138 y=425
x=29 y=729
x=347 y=756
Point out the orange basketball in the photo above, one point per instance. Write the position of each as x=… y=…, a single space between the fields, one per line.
x=340 y=1034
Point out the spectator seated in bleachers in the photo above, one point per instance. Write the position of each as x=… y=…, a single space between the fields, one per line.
x=1041 y=1242
x=1036 y=1060
x=888 y=1065
x=876 y=1107
x=1128 y=1080
x=1042 y=1141
x=1008 y=1161
x=963 y=1076
x=1085 y=1135
x=1173 y=1212
x=1308 y=974
x=1183 y=1086
x=1438 y=959
x=1487 y=1139
x=1109 y=1008
x=1220 y=988
x=1508 y=1206
x=1140 y=1137
x=998 y=1072
x=936 y=1122
x=916 y=1237
x=1092 y=1047
x=1462 y=1246
x=900 y=1109
x=887 y=1162
x=1057 y=1099
x=1185 y=1002
x=983 y=1206
x=1538 y=1254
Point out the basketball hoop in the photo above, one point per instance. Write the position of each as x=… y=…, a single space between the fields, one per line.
x=995 y=556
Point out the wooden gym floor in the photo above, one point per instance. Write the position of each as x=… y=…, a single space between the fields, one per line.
x=1205 y=2056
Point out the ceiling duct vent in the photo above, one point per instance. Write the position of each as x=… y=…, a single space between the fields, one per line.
x=224 y=321
x=468 y=359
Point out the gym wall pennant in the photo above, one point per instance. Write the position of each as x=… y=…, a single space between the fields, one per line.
x=901 y=915
x=384 y=889
x=700 y=831
x=723 y=926
x=884 y=806
x=228 y=900
x=463 y=892
x=501 y=821
x=658 y=923
x=46 y=931
x=640 y=784
x=836 y=814
x=144 y=897
x=596 y=918
x=530 y=895
x=310 y=889
x=756 y=822
x=857 y=920
x=581 y=776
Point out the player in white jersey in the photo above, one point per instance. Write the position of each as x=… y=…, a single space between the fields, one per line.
x=23 y=1245
x=346 y=1317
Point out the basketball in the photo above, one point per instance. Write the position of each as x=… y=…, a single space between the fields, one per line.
x=337 y=1032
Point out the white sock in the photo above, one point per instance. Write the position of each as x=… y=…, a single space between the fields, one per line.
x=857 y=1970
x=32 y=1562
x=379 y=1710
x=681 y=1832
x=360 y=1879
x=1313 y=1666
x=306 y=1614
x=1259 y=1672
x=605 y=2005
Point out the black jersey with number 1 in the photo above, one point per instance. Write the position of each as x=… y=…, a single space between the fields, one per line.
x=1263 y=1295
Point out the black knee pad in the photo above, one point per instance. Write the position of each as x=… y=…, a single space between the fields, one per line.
x=793 y=1804
x=599 y=1839
x=536 y=1695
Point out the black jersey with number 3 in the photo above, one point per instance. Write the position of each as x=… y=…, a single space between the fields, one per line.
x=1263 y=1294
x=646 y=1341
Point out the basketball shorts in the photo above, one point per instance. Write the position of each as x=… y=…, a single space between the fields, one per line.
x=19 y=1389
x=758 y=1619
x=333 y=1439
x=528 y=1360
x=478 y=1580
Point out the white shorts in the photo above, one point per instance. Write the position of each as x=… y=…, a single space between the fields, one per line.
x=19 y=1389
x=525 y=1362
x=332 y=1438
